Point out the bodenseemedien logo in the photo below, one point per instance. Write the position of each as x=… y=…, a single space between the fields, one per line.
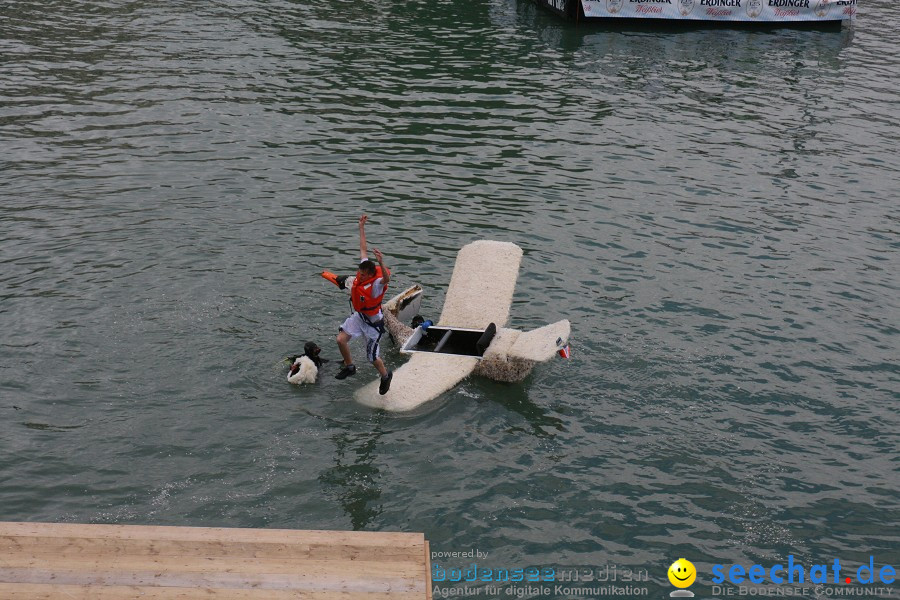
x=682 y=574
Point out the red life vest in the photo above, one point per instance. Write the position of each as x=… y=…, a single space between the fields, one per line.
x=361 y=296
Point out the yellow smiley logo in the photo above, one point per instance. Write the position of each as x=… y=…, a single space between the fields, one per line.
x=682 y=573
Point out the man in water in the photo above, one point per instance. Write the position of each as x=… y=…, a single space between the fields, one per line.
x=366 y=294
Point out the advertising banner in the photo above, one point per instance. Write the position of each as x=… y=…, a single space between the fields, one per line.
x=763 y=11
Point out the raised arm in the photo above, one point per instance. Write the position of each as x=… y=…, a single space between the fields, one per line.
x=363 y=254
x=385 y=272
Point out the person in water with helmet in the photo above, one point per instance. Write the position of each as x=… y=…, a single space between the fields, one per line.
x=366 y=294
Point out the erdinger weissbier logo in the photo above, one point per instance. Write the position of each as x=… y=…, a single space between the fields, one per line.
x=754 y=8
x=822 y=8
x=685 y=7
x=614 y=6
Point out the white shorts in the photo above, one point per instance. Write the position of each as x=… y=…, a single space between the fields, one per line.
x=356 y=326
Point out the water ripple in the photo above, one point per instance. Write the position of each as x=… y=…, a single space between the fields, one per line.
x=713 y=210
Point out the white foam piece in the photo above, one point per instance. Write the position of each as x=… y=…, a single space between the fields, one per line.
x=542 y=343
x=502 y=342
x=424 y=377
x=482 y=286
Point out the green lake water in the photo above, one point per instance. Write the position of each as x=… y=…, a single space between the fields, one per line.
x=715 y=211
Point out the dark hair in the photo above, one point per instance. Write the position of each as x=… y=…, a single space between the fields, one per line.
x=367 y=266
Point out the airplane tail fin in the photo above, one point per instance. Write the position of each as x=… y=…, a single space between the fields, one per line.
x=539 y=345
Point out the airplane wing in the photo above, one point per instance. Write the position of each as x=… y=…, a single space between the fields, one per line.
x=422 y=378
x=482 y=286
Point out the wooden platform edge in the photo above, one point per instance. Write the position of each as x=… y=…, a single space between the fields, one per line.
x=88 y=561
x=428 y=582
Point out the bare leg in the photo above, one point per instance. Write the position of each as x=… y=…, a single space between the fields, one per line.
x=379 y=364
x=343 y=342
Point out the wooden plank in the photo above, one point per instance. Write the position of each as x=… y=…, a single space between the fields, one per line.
x=81 y=546
x=218 y=534
x=118 y=562
x=428 y=583
x=213 y=580
x=201 y=564
x=89 y=592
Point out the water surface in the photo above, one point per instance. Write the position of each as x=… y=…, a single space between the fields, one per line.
x=715 y=211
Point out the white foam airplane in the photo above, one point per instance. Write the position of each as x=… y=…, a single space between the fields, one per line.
x=469 y=336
